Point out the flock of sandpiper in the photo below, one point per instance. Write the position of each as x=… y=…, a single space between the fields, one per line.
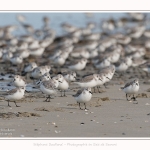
x=39 y=56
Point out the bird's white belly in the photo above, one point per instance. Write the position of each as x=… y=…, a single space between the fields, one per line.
x=64 y=85
x=83 y=98
x=47 y=91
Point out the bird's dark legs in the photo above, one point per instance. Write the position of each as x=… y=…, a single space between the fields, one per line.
x=61 y=94
x=85 y=106
x=98 y=87
x=127 y=97
x=106 y=86
x=64 y=94
x=94 y=89
x=16 y=104
x=79 y=106
x=134 y=99
x=48 y=99
x=8 y=104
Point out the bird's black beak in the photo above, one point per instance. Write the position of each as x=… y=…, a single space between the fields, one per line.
x=107 y=78
x=38 y=83
x=100 y=79
x=137 y=84
x=27 y=91
x=51 y=71
x=60 y=81
x=90 y=92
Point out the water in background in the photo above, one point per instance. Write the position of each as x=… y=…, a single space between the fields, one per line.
x=79 y=19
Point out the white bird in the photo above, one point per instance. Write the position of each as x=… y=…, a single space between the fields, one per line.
x=83 y=96
x=63 y=84
x=48 y=88
x=15 y=94
x=78 y=65
x=131 y=88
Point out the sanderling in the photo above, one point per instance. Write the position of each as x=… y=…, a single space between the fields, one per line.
x=48 y=88
x=18 y=81
x=63 y=84
x=78 y=65
x=29 y=67
x=28 y=28
x=131 y=88
x=93 y=36
x=44 y=77
x=146 y=68
x=138 y=61
x=16 y=60
x=70 y=76
x=21 y=45
x=59 y=60
x=21 y=18
x=14 y=95
x=39 y=71
x=102 y=80
x=23 y=53
x=37 y=51
x=147 y=33
x=137 y=16
x=68 y=27
x=88 y=81
x=108 y=24
x=121 y=66
x=83 y=96
x=55 y=54
x=6 y=56
x=103 y=63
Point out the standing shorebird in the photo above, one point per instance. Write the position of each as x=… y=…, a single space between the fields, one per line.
x=131 y=88
x=63 y=84
x=83 y=96
x=88 y=81
x=15 y=94
x=78 y=65
x=48 y=88
x=18 y=81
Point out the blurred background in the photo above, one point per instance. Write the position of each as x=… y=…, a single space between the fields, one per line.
x=78 y=19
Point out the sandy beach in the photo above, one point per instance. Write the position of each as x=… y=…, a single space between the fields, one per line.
x=109 y=114
x=116 y=49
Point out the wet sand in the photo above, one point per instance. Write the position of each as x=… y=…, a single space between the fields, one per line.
x=109 y=114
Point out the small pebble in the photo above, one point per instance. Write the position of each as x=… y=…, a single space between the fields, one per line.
x=53 y=123
x=82 y=123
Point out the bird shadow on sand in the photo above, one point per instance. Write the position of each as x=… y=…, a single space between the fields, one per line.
x=67 y=108
x=118 y=99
